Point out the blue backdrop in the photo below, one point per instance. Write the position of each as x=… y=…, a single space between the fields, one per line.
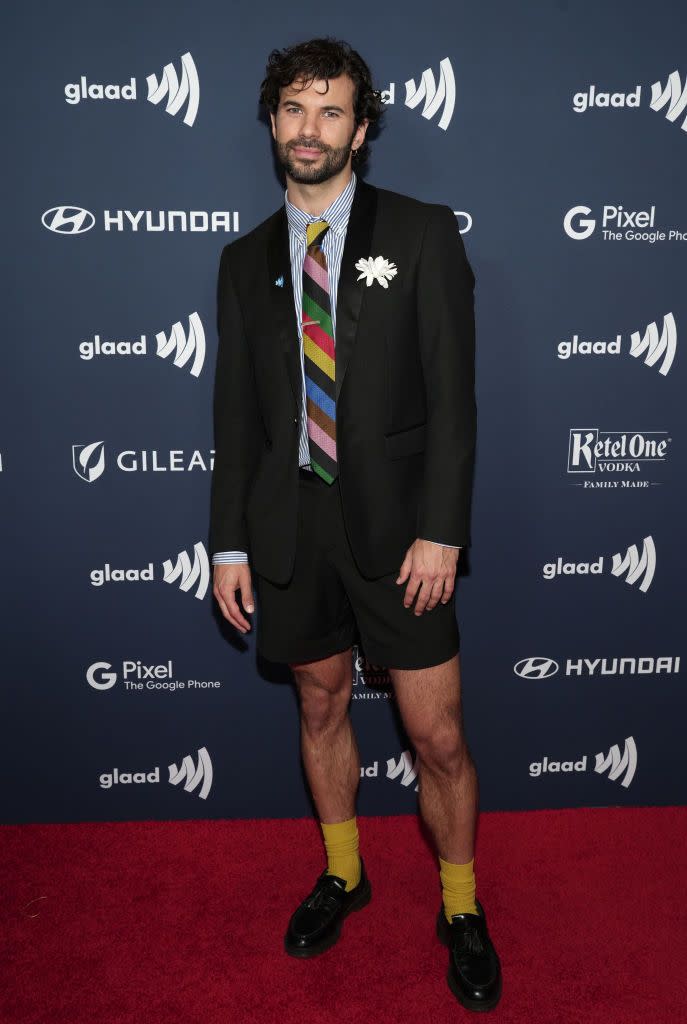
x=558 y=134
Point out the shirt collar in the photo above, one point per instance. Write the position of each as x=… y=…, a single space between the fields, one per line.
x=336 y=214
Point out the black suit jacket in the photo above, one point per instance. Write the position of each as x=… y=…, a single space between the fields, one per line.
x=405 y=401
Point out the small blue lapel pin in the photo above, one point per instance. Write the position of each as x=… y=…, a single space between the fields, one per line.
x=280 y=281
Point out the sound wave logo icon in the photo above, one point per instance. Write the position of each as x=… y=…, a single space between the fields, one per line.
x=177 y=92
x=403 y=767
x=672 y=95
x=184 y=346
x=633 y=566
x=656 y=345
x=193 y=775
x=616 y=763
x=536 y=668
x=88 y=460
x=68 y=220
x=433 y=95
x=190 y=574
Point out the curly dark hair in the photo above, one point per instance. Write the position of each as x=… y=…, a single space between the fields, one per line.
x=323 y=58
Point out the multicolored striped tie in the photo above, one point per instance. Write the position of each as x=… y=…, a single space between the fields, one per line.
x=318 y=355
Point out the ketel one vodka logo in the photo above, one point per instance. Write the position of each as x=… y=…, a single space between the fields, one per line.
x=195 y=776
x=655 y=346
x=635 y=568
x=190 y=573
x=185 y=348
x=180 y=93
x=88 y=460
x=593 y=451
x=668 y=98
x=437 y=97
x=616 y=766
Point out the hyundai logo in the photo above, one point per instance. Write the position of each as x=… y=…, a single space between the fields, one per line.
x=68 y=220
x=536 y=668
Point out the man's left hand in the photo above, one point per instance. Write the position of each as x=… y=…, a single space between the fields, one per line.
x=430 y=569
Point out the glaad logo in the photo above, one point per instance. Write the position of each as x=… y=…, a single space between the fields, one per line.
x=672 y=96
x=591 y=450
x=405 y=767
x=88 y=460
x=189 y=572
x=651 y=344
x=176 y=92
x=544 y=668
x=617 y=763
x=433 y=96
x=75 y=220
x=619 y=224
x=182 y=346
x=631 y=565
x=191 y=774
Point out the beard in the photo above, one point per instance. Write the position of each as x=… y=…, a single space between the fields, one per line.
x=335 y=159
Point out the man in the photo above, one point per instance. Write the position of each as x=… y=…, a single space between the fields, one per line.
x=344 y=434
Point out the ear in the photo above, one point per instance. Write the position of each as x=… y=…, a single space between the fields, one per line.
x=274 y=125
x=359 y=136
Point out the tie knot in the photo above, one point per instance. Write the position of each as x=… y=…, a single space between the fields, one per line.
x=316 y=231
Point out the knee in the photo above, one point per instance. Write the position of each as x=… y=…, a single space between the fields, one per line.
x=323 y=705
x=442 y=748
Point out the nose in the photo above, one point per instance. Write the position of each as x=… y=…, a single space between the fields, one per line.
x=309 y=127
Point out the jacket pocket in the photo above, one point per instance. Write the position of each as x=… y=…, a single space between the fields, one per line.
x=405 y=442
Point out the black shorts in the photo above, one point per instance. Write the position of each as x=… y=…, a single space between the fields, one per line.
x=327 y=605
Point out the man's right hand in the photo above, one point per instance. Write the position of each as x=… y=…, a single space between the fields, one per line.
x=227 y=580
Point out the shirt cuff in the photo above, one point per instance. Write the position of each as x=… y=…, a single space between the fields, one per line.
x=229 y=557
x=456 y=547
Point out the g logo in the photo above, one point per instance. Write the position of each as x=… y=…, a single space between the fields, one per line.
x=583 y=226
x=104 y=680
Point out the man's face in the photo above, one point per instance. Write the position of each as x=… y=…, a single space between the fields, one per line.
x=314 y=128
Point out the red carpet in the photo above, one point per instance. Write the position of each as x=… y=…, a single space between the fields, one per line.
x=182 y=922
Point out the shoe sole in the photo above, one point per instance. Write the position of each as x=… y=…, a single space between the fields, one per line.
x=304 y=952
x=469 y=1004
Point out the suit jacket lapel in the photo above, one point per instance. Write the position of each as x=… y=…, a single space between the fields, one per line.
x=350 y=293
x=283 y=307
x=349 y=297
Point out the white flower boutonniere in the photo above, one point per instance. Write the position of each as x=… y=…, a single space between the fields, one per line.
x=376 y=269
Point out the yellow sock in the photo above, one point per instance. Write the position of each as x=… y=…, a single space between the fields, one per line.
x=341 y=844
x=457 y=887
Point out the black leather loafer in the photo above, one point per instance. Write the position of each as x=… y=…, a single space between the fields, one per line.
x=316 y=924
x=474 y=969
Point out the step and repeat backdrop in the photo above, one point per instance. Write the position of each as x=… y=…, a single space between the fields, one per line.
x=137 y=150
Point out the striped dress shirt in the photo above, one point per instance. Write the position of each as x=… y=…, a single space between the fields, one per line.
x=336 y=215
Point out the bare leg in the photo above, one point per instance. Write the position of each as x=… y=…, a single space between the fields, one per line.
x=328 y=746
x=429 y=701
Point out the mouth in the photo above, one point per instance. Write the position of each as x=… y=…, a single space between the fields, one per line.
x=306 y=153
